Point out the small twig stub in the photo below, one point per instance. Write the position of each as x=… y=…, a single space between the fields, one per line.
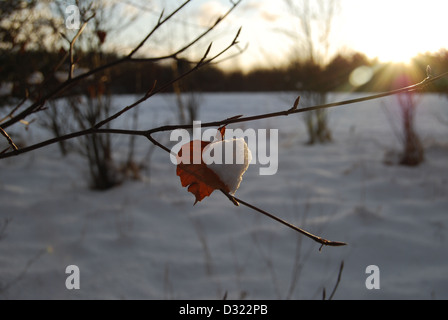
x=8 y=138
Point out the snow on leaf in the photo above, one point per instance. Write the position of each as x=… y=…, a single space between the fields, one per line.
x=213 y=172
x=229 y=167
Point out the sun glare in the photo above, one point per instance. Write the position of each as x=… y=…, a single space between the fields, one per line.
x=394 y=31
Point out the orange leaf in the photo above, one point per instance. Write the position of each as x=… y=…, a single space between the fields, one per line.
x=200 y=180
x=222 y=130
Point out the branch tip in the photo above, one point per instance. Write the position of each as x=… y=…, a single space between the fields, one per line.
x=208 y=50
x=230 y=197
x=237 y=35
x=151 y=90
x=161 y=16
x=233 y=118
x=8 y=138
x=296 y=104
x=323 y=242
x=428 y=71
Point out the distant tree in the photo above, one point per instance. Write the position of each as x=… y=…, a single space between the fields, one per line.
x=311 y=36
x=412 y=153
x=25 y=26
x=338 y=70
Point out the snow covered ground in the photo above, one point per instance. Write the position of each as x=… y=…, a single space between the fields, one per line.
x=146 y=240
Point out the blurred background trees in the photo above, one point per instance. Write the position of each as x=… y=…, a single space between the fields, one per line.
x=311 y=36
x=25 y=54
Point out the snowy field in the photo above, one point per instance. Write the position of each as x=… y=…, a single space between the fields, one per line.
x=146 y=240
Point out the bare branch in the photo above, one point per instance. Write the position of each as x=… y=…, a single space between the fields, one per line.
x=239 y=52
x=11 y=143
x=412 y=88
x=235 y=119
x=154 y=91
x=17 y=107
x=296 y=104
x=202 y=35
x=341 y=267
x=322 y=241
x=96 y=129
x=20 y=276
x=72 y=44
x=160 y=23
x=116 y=115
x=205 y=54
x=175 y=54
x=37 y=105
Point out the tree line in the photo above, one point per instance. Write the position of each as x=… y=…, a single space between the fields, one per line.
x=19 y=68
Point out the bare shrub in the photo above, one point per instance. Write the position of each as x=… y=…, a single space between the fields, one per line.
x=87 y=110
x=413 y=153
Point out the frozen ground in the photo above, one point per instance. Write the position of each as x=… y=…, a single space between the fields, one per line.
x=145 y=240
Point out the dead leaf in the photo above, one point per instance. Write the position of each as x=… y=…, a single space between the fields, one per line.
x=222 y=131
x=200 y=180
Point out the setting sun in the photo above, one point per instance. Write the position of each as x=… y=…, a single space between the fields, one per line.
x=393 y=31
x=390 y=31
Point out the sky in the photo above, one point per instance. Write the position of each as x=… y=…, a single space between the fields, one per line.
x=390 y=30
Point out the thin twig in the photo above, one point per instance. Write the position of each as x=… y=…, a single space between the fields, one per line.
x=20 y=276
x=337 y=281
x=229 y=57
x=194 y=41
x=204 y=61
x=72 y=44
x=148 y=94
x=11 y=143
x=96 y=128
x=236 y=202
x=236 y=119
x=17 y=107
x=160 y=23
x=37 y=105
x=3 y=226
x=322 y=241
x=71 y=136
x=291 y=111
